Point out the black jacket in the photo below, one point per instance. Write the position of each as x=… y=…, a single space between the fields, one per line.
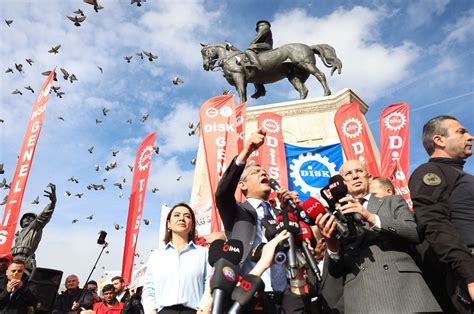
x=17 y=303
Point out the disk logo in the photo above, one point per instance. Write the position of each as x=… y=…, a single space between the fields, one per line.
x=352 y=128
x=271 y=125
x=310 y=172
x=226 y=111
x=145 y=158
x=212 y=112
x=395 y=121
x=229 y=274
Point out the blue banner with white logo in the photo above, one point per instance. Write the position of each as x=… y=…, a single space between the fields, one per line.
x=309 y=168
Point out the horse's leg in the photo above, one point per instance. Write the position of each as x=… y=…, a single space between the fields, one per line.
x=298 y=84
x=259 y=91
x=312 y=69
x=241 y=86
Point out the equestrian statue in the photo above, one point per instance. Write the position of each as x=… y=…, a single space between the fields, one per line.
x=261 y=64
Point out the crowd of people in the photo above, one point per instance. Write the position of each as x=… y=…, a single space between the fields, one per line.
x=397 y=261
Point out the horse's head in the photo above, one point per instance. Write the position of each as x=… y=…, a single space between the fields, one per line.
x=209 y=55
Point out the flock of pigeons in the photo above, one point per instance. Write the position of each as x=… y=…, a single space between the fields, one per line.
x=64 y=75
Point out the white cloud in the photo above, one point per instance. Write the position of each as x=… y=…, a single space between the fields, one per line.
x=421 y=12
x=369 y=67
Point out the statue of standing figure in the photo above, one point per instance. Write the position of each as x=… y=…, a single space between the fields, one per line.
x=27 y=241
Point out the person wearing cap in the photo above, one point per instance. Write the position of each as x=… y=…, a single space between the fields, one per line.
x=5 y=261
x=30 y=235
x=262 y=41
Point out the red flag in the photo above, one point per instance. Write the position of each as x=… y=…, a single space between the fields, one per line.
x=137 y=199
x=15 y=196
x=273 y=148
x=219 y=136
x=241 y=119
x=395 y=147
x=352 y=131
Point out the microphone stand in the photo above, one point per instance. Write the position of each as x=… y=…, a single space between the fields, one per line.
x=83 y=293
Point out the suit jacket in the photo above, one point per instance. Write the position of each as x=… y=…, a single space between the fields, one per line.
x=378 y=273
x=239 y=219
x=17 y=303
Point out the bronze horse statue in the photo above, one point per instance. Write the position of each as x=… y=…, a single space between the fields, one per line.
x=292 y=61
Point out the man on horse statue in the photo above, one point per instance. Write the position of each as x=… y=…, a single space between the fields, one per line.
x=262 y=41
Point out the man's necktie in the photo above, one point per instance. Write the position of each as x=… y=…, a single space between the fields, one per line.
x=277 y=271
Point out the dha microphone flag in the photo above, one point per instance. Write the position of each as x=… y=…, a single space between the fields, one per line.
x=309 y=168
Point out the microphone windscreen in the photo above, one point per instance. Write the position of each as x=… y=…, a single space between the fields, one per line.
x=312 y=207
x=291 y=224
x=225 y=276
x=231 y=250
x=268 y=228
x=246 y=288
x=338 y=187
x=256 y=252
x=274 y=184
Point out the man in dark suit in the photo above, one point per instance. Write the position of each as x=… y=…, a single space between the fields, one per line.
x=242 y=221
x=15 y=297
x=379 y=274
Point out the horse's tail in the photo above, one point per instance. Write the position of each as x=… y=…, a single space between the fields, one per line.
x=328 y=56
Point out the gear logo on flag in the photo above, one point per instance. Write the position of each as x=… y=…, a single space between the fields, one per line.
x=395 y=121
x=239 y=120
x=145 y=158
x=352 y=128
x=271 y=125
x=226 y=111
x=309 y=167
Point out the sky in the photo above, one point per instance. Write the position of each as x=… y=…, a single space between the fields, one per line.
x=420 y=52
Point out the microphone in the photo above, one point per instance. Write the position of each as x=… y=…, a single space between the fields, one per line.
x=269 y=228
x=222 y=282
x=244 y=291
x=341 y=221
x=231 y=250
x=276 y=186
x=312 y=207
x=288 y=221
x=256 y=254
x=223 y=255
x=307 y=233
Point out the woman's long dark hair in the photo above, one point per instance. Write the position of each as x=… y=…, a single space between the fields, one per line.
x=192 y=233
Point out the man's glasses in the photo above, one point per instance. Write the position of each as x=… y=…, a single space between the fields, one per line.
x=350 y=174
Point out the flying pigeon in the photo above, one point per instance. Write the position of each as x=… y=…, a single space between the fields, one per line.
x=4 y=200
x=97 y=121
x=9 y=70
x=19 y=67
x=36 y=201
x=2 y=171
x=140 y=54
x=118 y=227
x=55 y=88
x=72 y=179
x=72 y=77
x=91 y=149
x=119 y=185
x=138 y=2
x=17 y=92
x=129 y=121
x=9 y=22
x=3 y=184
x=79 y=11
x=150 y=56
x=130 y=167
x=54 y=50
x=121 y=195
x=156 y=149
x=100 y=69
x=79 y=195
x=74 y=221
x=115 y=152
x=105 y=111
x=46 y=73
x=137 y=254
x=96 y=5
x=65 y=73
x=111 y=166
x=128 y=58
x=90 y=217
x=77 y=19
x=178 y=178
x=29 y=61
x=67 y=193
x=177 y=80
x=30 y=89
x=61 y=118
x=154 y=190
x=144 y=117
x=191 y=125
x=146 y=221
x=193 y=161
x=60 y=94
